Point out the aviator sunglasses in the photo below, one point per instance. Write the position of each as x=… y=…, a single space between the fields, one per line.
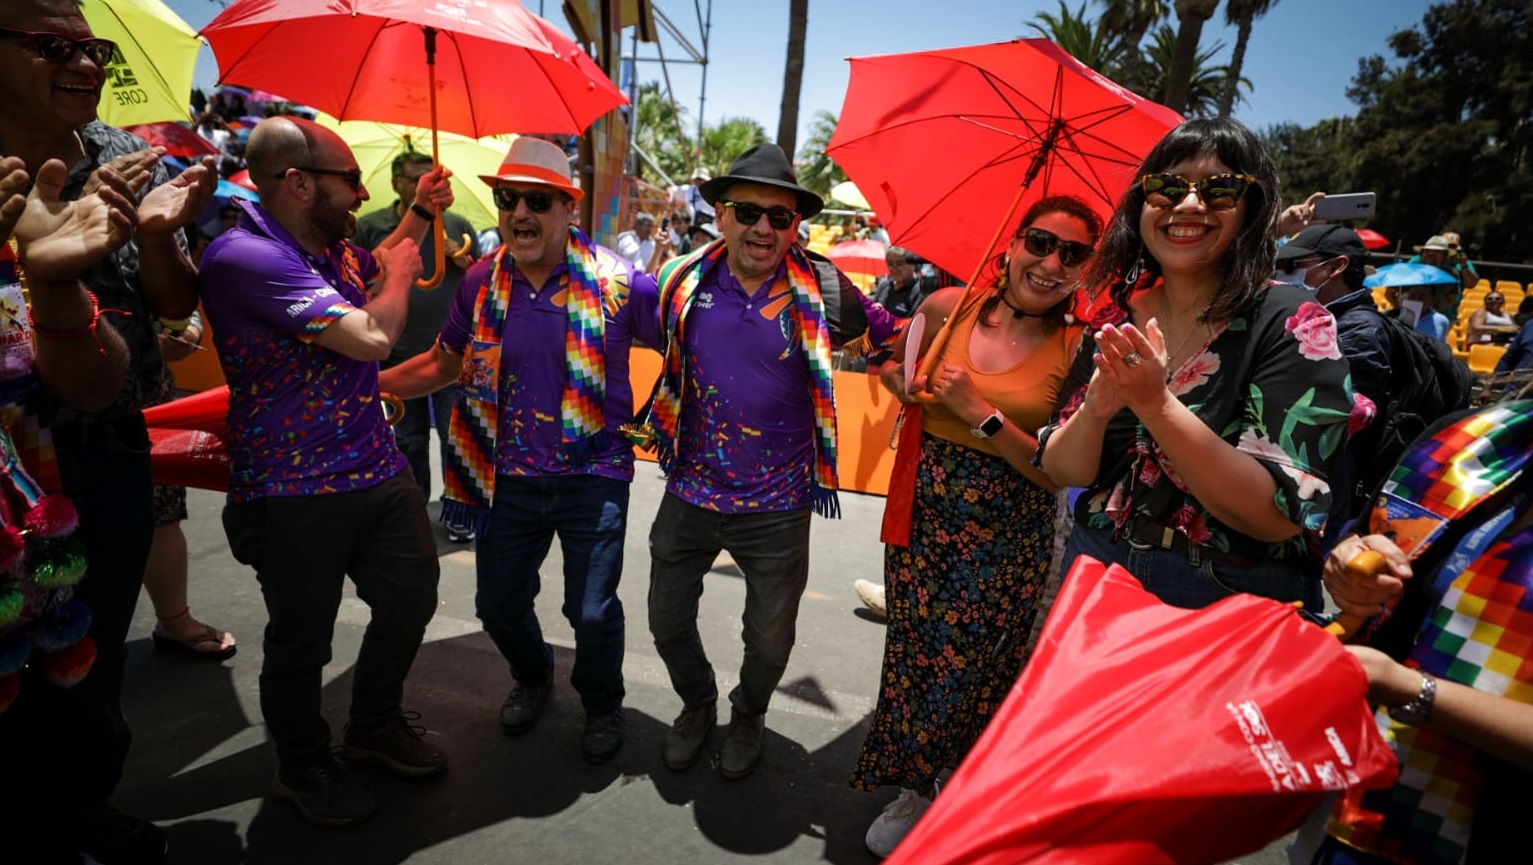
x=1043 y=243
x=58 y=48
x=537 y=201
x=1218 y=192
x=779 y=217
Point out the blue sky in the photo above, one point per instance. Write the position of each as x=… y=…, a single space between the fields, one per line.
x=1300 y=60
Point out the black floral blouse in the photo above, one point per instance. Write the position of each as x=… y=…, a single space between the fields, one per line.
x=1273 y=383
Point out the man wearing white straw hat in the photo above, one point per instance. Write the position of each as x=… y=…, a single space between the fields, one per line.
x=538 y=339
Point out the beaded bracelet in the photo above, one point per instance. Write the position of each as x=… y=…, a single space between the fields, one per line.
x=87 y=330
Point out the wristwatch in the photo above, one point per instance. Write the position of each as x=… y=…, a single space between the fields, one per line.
x=990 y=426
x=1419 y=709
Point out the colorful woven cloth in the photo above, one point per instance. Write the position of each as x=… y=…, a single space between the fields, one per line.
x=1478 y=634
x=678 y=284
x=468 y=473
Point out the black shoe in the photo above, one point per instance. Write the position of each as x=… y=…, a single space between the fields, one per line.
x=325 y=793
x=742 y=747
x=460 y=534
x=522 y=707
x=688 y=735
x=397 y=744
x=114 y=838
x=603 y=737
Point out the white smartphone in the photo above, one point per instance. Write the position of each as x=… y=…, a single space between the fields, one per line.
x=1350 y=205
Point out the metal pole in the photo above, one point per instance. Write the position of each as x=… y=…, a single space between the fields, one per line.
x=633 y=104
x=702 y=99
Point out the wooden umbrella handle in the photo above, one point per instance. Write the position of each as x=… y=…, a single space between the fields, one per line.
x=439 y=232
x=1360 y=566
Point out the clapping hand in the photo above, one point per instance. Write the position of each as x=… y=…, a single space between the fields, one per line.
x=136 y=168
x=61 y=239
x=13 y=198
x=173 y=205
x=1133 y=364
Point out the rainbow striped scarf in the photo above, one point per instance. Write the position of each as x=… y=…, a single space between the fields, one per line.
x=1477 y=634
x=678 y=285
x=468 y=473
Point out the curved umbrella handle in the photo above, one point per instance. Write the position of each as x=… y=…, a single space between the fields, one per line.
x=439 y=230
x=393 y=407
x=1362 y=565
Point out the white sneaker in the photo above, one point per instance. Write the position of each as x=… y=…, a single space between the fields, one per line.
x=872 y=595
x=896 y=821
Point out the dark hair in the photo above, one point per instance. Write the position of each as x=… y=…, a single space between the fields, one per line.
x=1247 y=264
x=996 y=267
x=410 y=157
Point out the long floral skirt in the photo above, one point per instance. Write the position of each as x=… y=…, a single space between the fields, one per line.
x=961 y=601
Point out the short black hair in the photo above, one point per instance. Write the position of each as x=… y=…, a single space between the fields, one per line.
x=410 y=157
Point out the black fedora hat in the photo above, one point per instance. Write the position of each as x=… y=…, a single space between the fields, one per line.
x=765 y=164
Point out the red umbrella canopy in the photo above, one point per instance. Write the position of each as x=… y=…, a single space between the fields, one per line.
x=1372 y=239
x=941 y=142
x=1144 y=734
x=497 y=67
x=859 y=256
x=177 y=139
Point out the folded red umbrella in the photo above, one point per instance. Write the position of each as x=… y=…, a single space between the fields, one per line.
x=1144 y=733
x=186 y=440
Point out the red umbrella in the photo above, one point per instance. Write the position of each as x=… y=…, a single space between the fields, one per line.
x=242 y=178
x=177 y=139
x=475 y=69
x=1372 y=239
x=860 y=256
x=1143 y=733
x=945 y=145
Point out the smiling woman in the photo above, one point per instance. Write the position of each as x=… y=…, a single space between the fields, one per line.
x=1206 y=409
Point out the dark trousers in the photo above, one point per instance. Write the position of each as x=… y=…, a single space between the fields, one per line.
x=772 y=550
x=302 y=549
x=590 y=517
x=413 y=432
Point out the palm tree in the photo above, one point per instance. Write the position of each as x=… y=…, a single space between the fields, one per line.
x=1240 y=13
x=1091 y=43
x=1129 y=21
x=1191 y=15
x=660 y=132
x=792 y=77
x=817 y=172
x=726 y=139
x=1205 y=84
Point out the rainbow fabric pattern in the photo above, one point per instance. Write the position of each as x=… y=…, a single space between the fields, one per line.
x=678 y=284
x=468 y=473
x=1477 y=635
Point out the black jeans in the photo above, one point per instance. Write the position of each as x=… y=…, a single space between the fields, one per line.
x=772 y=550
x=302 y=548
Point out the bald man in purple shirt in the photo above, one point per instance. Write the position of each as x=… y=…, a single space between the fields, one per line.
x=318 y=489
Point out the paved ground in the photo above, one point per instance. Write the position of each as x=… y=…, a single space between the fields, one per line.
x=201 y=764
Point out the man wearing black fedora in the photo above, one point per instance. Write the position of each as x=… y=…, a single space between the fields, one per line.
x=744 y=420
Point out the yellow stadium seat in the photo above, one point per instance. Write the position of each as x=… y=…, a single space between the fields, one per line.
x=1506 y=285
x=1483 y=358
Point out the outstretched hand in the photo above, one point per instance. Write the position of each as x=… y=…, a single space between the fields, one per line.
x=60 y=240
x=172 y=206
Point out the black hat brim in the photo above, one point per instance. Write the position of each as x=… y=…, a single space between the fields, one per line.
x=809 y=204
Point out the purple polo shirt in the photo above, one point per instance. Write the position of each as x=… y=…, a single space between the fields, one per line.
x=303 y=420
x=747 y=418
x=533 y=370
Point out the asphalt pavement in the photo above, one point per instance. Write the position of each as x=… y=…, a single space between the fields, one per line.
x=201 y=765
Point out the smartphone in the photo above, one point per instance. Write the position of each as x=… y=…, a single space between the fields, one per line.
x=1350 y=205
x=665 y=224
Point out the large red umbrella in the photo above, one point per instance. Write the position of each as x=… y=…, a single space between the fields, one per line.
x=860 y=256
x=477 y=69
x=946 y=145
x=1141 y=733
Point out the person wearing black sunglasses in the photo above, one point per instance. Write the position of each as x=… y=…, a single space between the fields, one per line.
x=743 y=418
x=52 y=72
x=318 y=489
x=1206 y=411
x=538 y=338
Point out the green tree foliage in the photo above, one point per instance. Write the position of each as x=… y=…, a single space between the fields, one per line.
x=817 y=172
x=1128 y=21
x=1241 y=14
x=1190 y=17
x=661 y=135
x=1443 y=134
x=1203 y=87
x=726 y=139
x=1092 y=43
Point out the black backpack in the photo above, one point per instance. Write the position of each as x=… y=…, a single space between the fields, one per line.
x=1425 y=382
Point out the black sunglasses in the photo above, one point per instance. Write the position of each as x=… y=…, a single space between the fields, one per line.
x=1043 y=243
x=538 y=201
x=58 y=48
x=778 y=217
x=352 y=177
x=1218 y=192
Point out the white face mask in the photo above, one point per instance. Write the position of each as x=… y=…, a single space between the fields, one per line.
x=1295 y=278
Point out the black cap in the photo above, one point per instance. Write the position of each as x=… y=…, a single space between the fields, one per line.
x=767 y=164
x=1326 y=240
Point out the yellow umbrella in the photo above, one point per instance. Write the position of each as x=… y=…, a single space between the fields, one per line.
x=848 y=193
x=150 y=78
x=376 y=144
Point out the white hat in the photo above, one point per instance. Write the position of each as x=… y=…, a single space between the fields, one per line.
x=533 y=160
x=1436 y=241
x=701 y=173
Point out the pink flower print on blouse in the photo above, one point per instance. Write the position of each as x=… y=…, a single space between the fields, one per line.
x=1315 y=329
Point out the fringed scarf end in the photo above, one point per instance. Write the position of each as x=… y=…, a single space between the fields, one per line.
x=465 y=514
x=827 y=503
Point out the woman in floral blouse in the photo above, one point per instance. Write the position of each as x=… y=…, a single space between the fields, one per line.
x=1207 y=406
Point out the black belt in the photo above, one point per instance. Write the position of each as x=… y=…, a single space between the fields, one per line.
x=1148 y=534
x=128 y=430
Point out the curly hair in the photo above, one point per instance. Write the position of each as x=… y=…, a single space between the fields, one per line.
x=1247 y=263
x=995 y=270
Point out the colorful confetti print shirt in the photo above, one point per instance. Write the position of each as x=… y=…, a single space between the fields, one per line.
x=303 y=420
x=534 y=370
x=1273 y=383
